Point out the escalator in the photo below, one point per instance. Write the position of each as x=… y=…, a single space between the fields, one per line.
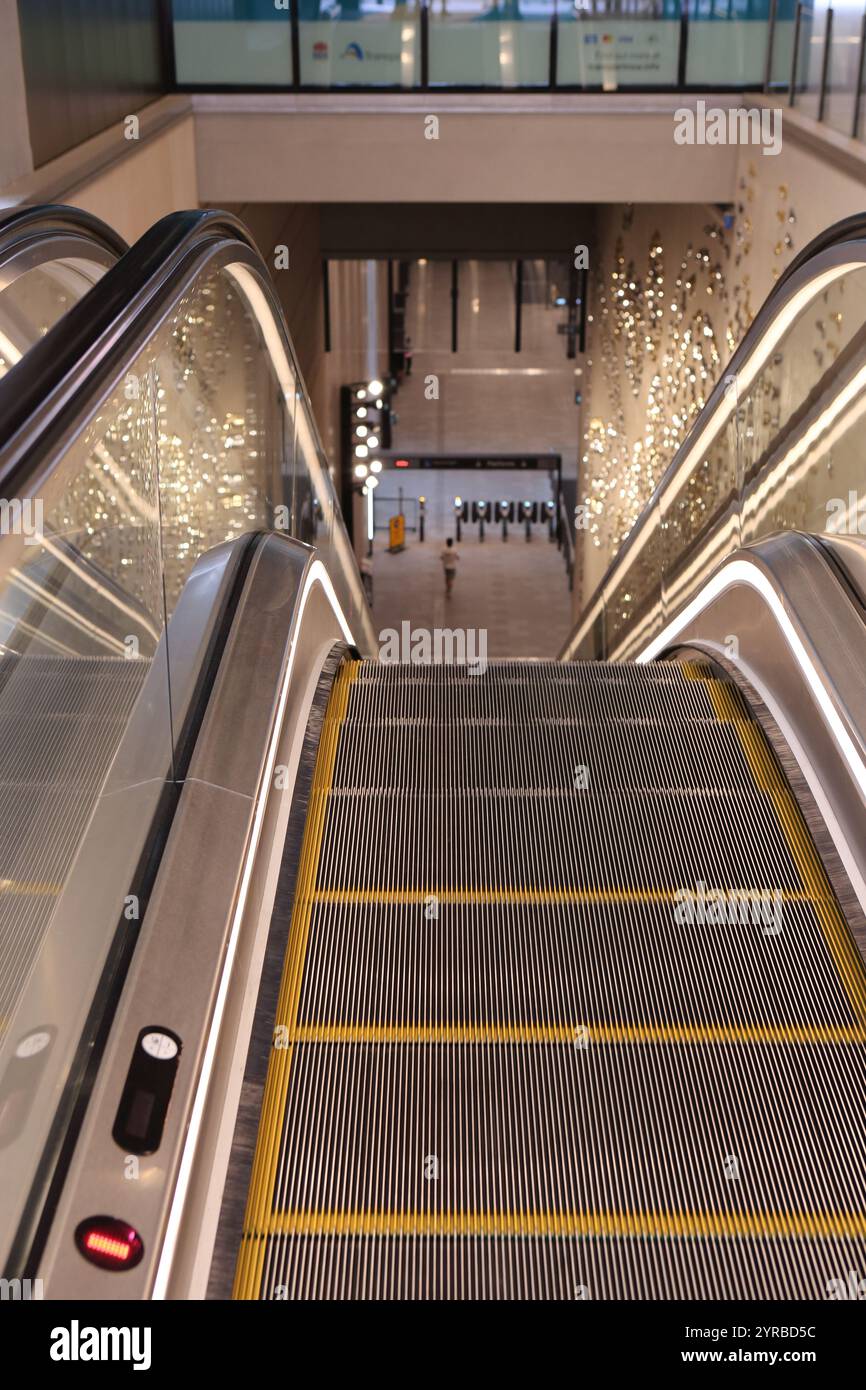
x=514 y=1068
x=532 y=980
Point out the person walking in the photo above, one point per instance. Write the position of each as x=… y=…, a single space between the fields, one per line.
x=449 y=559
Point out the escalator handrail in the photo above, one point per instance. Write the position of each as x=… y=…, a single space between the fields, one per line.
x=47 y=397
x=88 y=342
x=31 y=225
x=804 y=267
x=847 y=229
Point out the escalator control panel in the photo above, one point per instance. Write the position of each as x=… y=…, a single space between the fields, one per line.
x=149 y=1084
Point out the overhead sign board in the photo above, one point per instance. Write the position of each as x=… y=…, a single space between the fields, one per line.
x=376 y=52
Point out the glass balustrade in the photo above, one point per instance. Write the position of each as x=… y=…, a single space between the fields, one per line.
x=529 y=45
x=233 y=42
x=204 y=434
x=777 y=448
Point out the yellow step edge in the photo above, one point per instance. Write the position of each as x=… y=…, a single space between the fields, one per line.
x=577 y=1034
x=532 y=896
x=248 y=1272
x=729 y=1225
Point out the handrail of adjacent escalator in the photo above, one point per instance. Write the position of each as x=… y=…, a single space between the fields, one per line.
x=89 y=343
x=46 y=397
x=826 y=252
x=242 y=776
x=56 y=223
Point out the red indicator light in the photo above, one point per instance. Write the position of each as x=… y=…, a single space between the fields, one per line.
x=99 y=1244
x=401 y=463
x=109 y=1243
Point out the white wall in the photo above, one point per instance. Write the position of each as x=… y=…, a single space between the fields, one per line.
x=128 y=183
x=778 y=205
x=154 y=180
x=490 y=148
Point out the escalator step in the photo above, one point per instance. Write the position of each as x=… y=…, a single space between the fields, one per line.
x=427 y=755
x=432 y=1130
x=548 y=838
x=370 y=1267
x=622 y=966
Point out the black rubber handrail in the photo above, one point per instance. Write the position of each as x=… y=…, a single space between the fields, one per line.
x=87 y=344
x=49 y=398
x=848 y=229
x=25 y=225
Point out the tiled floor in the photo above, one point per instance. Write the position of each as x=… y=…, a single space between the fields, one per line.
x=516 y=590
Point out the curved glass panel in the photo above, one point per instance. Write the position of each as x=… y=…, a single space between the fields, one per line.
x=224 y=427
x=205 y=435
x=32 y=300
x=777 y=448
x=82 y=652
x=803 y=452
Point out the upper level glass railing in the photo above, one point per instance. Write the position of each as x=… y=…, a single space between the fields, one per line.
x=514 y=45
x=812 y=53
x=778 y=447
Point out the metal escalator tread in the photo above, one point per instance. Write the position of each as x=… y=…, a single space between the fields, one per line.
x=506 y=1063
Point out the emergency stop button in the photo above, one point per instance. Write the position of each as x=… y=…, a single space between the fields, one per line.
x=149 y=1083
